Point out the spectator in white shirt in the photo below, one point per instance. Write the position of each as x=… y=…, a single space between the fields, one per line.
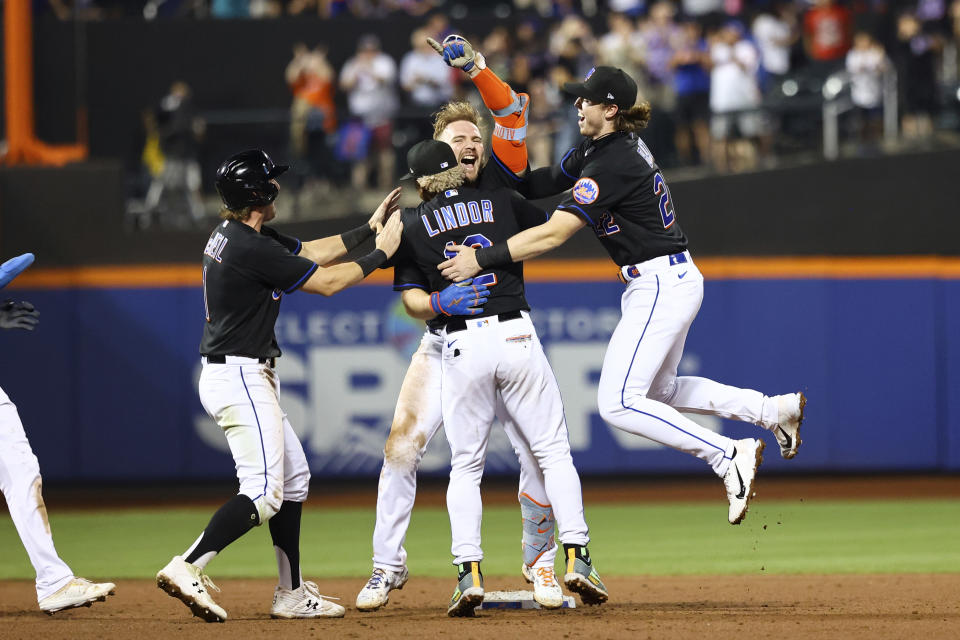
x=424 y=76
x=775 y=33
x=866 y=62
x=736 y=124
x=370 y=78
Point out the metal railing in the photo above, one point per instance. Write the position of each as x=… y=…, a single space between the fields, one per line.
x=837 y=101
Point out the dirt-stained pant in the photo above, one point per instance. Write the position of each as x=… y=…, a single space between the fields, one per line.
x=416 y=420
x=21 y=485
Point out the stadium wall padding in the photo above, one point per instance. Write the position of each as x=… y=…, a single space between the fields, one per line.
x=106 y=386
x=75 y=215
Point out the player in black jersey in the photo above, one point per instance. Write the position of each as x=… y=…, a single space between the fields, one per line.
x=620 y=192
x=494 y=352
x=417 y=416
x=247 y=269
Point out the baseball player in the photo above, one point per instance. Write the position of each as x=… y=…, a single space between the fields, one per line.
x=20 y=481
x=619 y=190
x=486 y=354
x=417 y=416
x=247 y=269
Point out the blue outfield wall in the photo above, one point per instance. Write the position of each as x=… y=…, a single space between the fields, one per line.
x=106 y=386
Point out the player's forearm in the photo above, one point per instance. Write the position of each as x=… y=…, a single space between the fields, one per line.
x=324 y=250
x=330 y=280
x=509 y=112
x=533 y=242
x=417 y=304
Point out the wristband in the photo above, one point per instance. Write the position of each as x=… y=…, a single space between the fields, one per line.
x=495 y=256
x=435 y=303
x=371 y=261
x=354 y=237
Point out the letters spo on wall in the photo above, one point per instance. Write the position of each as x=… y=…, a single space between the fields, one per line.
x=106 y=386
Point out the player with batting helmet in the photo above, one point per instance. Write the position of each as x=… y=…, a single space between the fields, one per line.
x=248 y=267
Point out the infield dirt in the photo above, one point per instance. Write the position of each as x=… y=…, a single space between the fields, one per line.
x=695 y=607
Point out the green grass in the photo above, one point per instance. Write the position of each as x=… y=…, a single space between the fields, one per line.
x=687 y=538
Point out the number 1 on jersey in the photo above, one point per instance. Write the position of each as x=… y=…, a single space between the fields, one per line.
x=477 y=241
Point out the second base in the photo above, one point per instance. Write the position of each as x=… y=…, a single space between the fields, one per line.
x=517 y=600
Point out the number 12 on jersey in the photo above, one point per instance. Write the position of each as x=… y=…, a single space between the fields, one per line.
x=661 y=189
x=477 y=241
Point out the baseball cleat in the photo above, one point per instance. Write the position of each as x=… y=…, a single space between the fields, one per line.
x=303 y=602
x=376 y=593
x=469 y=592
x=789 y=418
x=79 y=592
x=582 y=578
x=190 y=585
x=747 y=456
x=546 y=589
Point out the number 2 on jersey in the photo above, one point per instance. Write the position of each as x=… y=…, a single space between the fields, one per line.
x=661 y=189
x=477 y=241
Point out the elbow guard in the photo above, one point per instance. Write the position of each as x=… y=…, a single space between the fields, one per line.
x=518 y=108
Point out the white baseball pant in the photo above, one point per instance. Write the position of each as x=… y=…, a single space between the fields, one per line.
x=640 y=391
x=243 y=397
x=487 y=358
x=416 y=420
x=21 y=485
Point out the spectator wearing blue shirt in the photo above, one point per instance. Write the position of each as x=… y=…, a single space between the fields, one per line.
x=691 y=83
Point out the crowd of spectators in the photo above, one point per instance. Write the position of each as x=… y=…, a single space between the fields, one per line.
x=726 y=78
x=723 y=76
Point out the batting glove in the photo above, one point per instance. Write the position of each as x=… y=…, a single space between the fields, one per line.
x=460 y=299
x=458 y=53
x=12 y=268
x=18 y=315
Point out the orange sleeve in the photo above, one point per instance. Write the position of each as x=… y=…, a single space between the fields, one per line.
x=509 y=136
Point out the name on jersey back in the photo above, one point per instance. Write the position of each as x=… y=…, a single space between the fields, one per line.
x=457 y=215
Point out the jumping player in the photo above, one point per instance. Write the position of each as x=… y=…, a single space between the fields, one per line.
x=20 y=481
x=621 y=193
x=247 y=269
x=492 y=353
x=417 y=416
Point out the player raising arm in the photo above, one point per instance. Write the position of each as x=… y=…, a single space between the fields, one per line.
x=417 y=416
x=247 y=269
x=622 y=195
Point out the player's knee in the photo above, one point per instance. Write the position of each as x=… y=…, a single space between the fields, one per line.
x=663 y=392
x=403 y=450
x=269 y=504
x=610 y=405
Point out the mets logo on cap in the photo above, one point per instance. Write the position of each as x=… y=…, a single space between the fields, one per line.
x=586 y=191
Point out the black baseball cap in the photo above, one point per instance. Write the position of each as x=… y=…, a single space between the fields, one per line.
x=429 y=157
x=608 y=85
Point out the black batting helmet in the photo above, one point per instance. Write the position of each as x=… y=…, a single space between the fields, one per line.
x=243 y=180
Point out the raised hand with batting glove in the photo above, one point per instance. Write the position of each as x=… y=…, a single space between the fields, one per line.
x=460 y=299
x=13 y=267
x=457 y=52
x=18 y=315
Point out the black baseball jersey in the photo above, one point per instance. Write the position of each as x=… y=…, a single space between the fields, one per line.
x=621 y=193
x=245 y=274
x=467 y=216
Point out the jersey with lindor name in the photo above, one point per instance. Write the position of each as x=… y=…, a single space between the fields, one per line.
x=622 y=194
x=245 y=274
x=464 y=216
